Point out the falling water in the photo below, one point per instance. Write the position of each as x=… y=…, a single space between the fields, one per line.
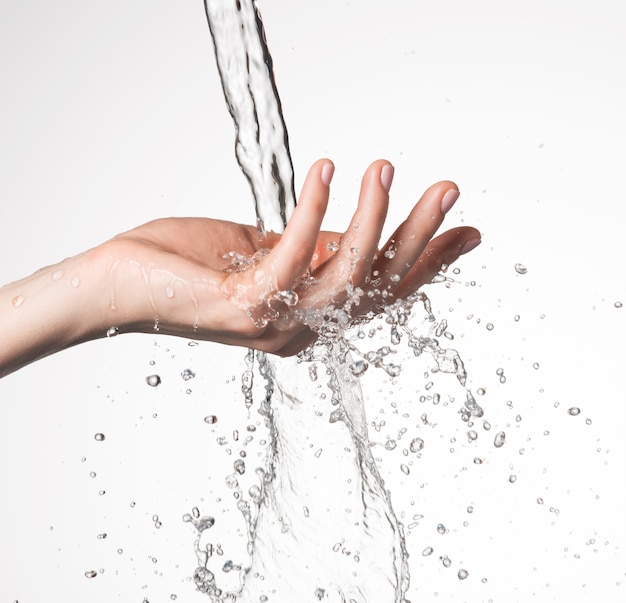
x=319 y=518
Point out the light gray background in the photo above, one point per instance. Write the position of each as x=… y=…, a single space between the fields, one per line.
x=111 y=115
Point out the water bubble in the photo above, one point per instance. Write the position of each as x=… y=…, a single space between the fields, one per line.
x=112 y=331
x=472 y=435
x=446 y=561
x=288 y=297
x=574 y=411
x=395 y=278
x=91 y=574
x=463 y=574
x=99 y=437
x=358 y=367
x=520 y=269
x=390 y=444
x=187 y=374
x=405 y=469
x=390 y=253
x=499 y=440
x=153 y=380
x=427 y=551
x=416 y=445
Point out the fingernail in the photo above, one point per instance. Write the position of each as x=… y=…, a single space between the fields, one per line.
x=386 y=176
x=327 y=173
x=449 y=199
x=468 y=246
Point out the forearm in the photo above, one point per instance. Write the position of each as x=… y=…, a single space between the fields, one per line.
x=55 y=308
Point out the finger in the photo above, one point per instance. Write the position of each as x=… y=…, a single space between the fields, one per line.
x=291 y=256
x=408 y=242
x=444 y=249
x=358 y=245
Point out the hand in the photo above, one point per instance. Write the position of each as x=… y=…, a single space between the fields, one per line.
x=210 y=279
x=215 y=280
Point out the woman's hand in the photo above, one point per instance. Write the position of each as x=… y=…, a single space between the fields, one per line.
x=216 y=280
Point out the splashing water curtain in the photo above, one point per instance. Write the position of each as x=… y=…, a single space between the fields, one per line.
x=320 y=523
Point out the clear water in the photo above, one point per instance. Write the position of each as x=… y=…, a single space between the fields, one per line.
x=320 y=522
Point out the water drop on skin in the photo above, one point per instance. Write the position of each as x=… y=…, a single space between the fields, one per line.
x=57 y=274
x=332 y=246
x=169 y=291
x=75 y=282
x=112 y=331
x=17 y=301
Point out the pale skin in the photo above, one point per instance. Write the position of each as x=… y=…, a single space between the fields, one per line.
x=174 y=274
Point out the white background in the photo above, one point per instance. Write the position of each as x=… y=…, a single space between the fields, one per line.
x=111 y=115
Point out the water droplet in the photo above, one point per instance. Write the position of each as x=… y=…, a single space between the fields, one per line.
x=210 y=419
x=489 y=326
x=187 y=374
x=618 y=304
x=472 y=435
x=391 y=252
x=441 y=529
x=500 y=439
x=540 y=501
x=239 y=466
x=99 y=437
x=75 y=281
x=390 y=444
x=57 y=274
x=395 y=278
x=405 y=469
x=512 y=479
x=17 y=301
x=446 y=561
x=153 y=380
x=416 y=445
x=427 y=551
x=91 y=574
x=288 y=297
x=169 y=291
x=463 y=574
x=574 y=411
x=520 y=269
x=112 y=331
x=358 y=367
x=101 y=536
x=332 y=246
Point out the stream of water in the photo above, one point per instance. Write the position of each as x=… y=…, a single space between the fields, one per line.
x=319 y=518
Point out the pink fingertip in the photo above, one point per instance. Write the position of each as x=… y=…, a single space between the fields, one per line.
x=386 y=176
x=327 y=173
x=468 y=246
